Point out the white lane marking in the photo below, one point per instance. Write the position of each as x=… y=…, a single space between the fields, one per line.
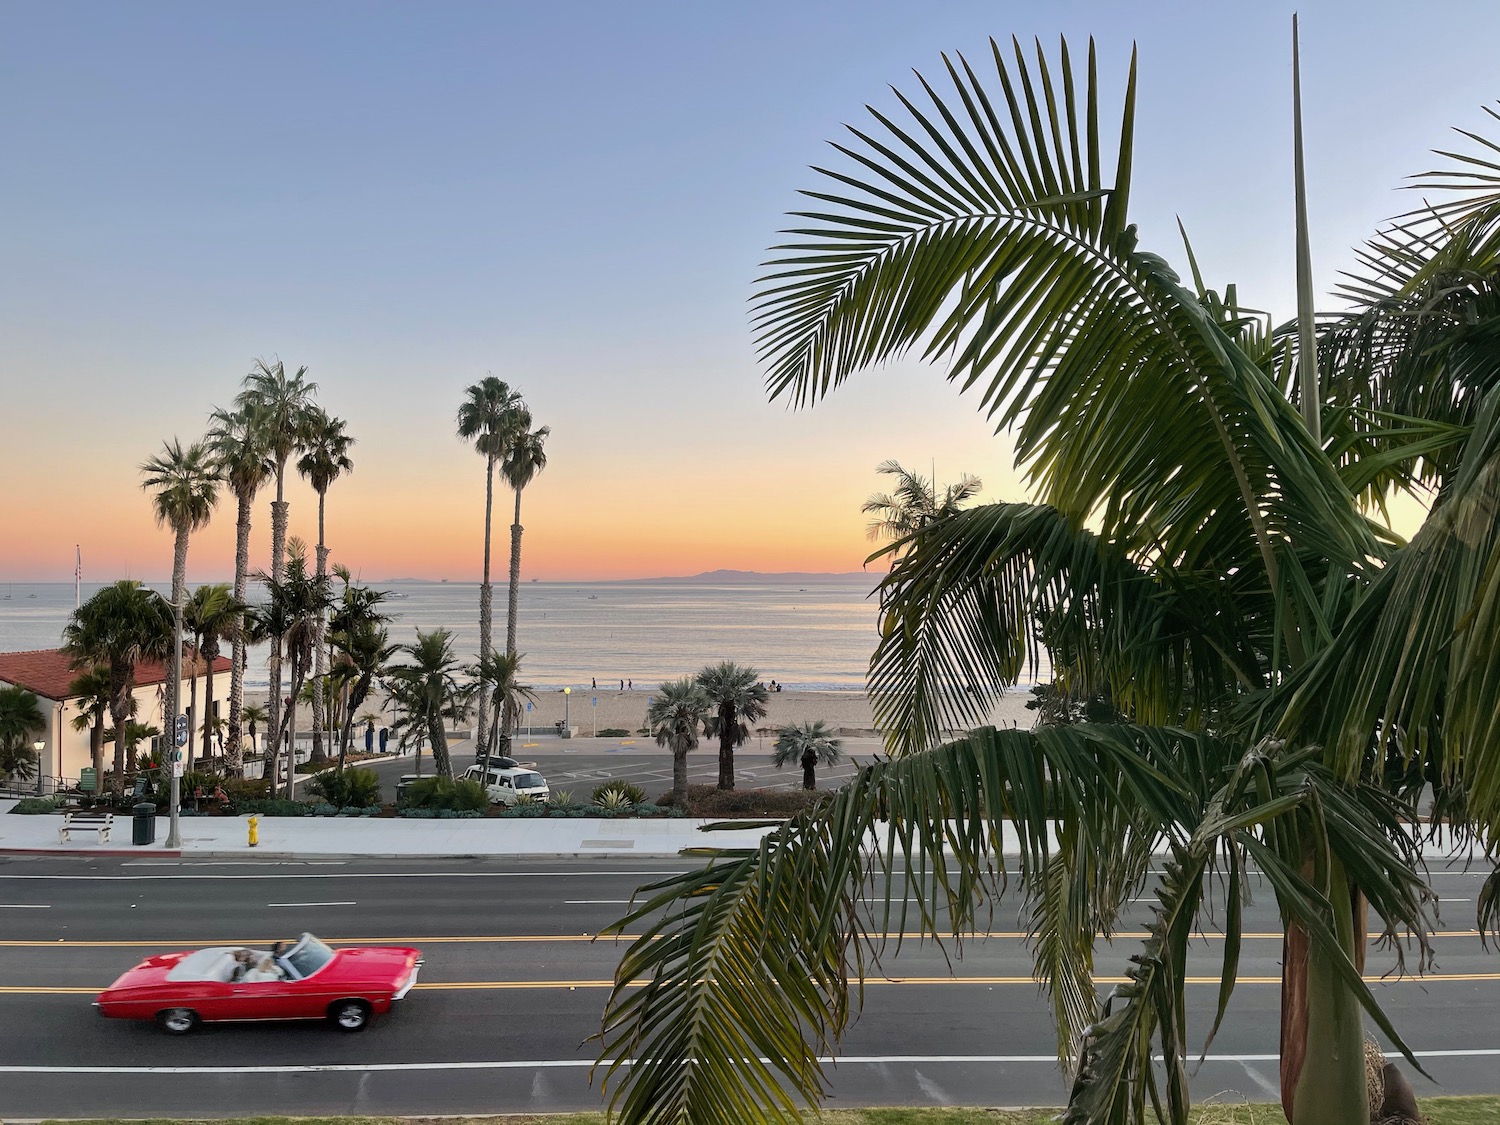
x=367 y=875
x=1453 y=900
x=513 y=1064
x=235 y=863
x=596 y=902
x=23 y=906
x=312 y=904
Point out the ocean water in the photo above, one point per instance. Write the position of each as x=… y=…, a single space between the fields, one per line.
x=816 y=638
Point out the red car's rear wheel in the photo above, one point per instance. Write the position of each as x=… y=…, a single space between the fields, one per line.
x=349 y=1015
x=178 y=1021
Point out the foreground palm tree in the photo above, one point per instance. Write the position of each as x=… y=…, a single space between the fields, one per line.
x=1194 y=550
x=185 y=483
x=487 y=418
x=738 y=700
x=237 y=440
x=363 y=648
x=325 y=458
x=808 y=745
x=119 y=627
x=20 y=718
x=277 y=404
x=914 y=502
x=674 y=715
x=429 y=694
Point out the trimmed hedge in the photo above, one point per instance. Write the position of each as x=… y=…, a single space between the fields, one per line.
x=35 y=805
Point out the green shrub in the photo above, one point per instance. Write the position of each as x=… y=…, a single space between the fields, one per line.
x=633 y=794
x=194 y=780
x=614 y=732
x=440 y=814
x=705 y=800
x=355 y=787
x=463 y=795
x=240 y=789
x=32 y=805
x=273 y=806
x=613 y=800
x=560 y=799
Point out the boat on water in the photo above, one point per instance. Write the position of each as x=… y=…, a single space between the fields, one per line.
x=593 y=597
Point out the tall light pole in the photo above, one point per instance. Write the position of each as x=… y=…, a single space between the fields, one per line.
x=567 y=693
x=39 y=745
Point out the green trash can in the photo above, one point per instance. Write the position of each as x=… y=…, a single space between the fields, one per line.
x=143 y=824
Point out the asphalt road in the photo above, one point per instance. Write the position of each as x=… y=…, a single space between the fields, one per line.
x=580 y=764
x=513 y=988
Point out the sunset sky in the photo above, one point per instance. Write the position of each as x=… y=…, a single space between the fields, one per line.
x=575 y=197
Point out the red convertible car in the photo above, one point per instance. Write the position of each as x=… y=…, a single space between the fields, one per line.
x=306 y=982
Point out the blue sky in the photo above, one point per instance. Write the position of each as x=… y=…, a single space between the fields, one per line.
x=575 y=197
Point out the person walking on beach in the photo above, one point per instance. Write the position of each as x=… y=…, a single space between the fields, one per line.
x=622 y=685
x=593 y=684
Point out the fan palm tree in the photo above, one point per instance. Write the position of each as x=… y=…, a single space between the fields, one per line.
x=809 y=745
x=89 y=691
x=913 y=503
x=738 y=702
x=428 y=692
x=362 y=644
x=253 y=714
x=526 y=458
x=1193 y=547
x=237 y=440
x=185 y=483
x=278 y=405
x=324 y=459
x=488 y=418
x=119 y=627
x=294 y=603
x=211 y=616
x=674 y=716
x=498 y=677
x=20 y=718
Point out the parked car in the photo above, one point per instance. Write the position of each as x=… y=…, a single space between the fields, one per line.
x=508 y=784
x=309 y=981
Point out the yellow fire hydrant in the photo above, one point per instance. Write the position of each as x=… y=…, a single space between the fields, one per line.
x=254 y=830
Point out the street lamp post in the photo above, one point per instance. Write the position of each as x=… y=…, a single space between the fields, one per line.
x=567 y=693
x=39 y=745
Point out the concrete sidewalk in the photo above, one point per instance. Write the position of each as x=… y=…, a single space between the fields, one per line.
x=301 y=836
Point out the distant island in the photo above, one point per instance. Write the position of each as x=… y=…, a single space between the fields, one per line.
x=759 y=578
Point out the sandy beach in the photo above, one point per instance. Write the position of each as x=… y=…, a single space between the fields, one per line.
x=848 y=711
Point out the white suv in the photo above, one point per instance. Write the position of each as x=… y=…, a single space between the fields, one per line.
x=506 y=786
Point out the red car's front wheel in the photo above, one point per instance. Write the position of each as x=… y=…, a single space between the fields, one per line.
x=178 y=1021
x=349 y=1015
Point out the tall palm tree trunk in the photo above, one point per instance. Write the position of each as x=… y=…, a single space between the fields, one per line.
x=442 y=765
x=727 y=728
x=318 y=716
x=288 y=731
x=208 y=708
x=174 y=682
x=511 y=606
x=680 y=776
x=234 y=754
x=96 y=751
x=192 y=710
x=486 y=597
x=278 y=571
x=119 y=711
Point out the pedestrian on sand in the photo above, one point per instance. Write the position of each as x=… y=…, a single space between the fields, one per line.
x=593 y=684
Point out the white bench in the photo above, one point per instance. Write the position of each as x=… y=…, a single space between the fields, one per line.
x=88 y=821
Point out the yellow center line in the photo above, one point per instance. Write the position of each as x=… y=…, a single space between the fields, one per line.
x=545 y=939
x=557 y=985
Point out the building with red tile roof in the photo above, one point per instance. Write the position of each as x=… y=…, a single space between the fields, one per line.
x=46 y=673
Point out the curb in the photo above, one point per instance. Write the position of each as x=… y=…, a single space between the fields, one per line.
x=89 y=851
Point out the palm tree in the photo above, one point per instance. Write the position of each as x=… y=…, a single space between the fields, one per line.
x=253 y=713
x=278 y=405
x=212 y=616
x=738 y=701
x=810 y=745
x=363 y=648
x=89 y=691
x=487 y=417
x=325 y=458
x=429 y=694
x=1193 y=548
x=914 y=502
x=294 y=604
x=674 y=715
x=237 y=440
x=118 y=628
x=526 y=458
x=497 y=678
x=186 y=487
x=20 y=718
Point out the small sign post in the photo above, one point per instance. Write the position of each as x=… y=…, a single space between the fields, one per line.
x=594 y=713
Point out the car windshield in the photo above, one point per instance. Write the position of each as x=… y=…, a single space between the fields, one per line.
x=308 y=956
x=529 y=781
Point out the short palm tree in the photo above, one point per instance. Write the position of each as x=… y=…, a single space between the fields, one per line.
x=237 y=439
x=674 y=716
x=210 y=617
x=277 y=405
x=362 y=647
x=185 y=488
x=324 y=459
x=809 y=745
x=488 y=418
x=499 y=678
x=119 y=627
x=429 y=694
x=914 y=502
x=21 y=719
x=739 y=700
x=254 y=715
x=89 y=691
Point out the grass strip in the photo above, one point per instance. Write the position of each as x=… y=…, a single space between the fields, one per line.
x=1439 y=1111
